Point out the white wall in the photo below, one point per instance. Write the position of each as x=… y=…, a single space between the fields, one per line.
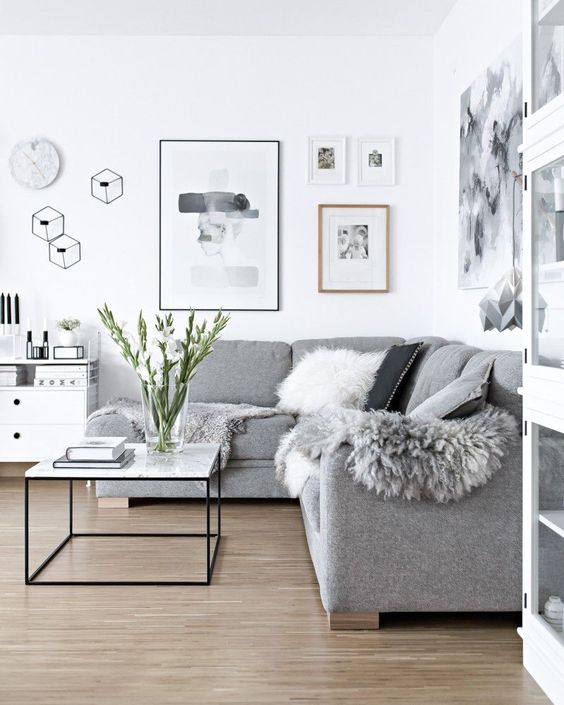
x=472 y=36
x=106 y=102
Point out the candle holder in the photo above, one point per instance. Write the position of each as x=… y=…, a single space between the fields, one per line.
x=11 y=346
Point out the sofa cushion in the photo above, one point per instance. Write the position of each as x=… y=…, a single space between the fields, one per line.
x=242 y=371
x=261 y=438
x=442 y=367
x=462 y=397
x=506 y=378
x=430 y=344
x=391 y=375
x=329 y=379
x=360 y=344
x=309 y=499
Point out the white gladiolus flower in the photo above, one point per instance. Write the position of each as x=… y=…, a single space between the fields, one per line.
x=173 y=350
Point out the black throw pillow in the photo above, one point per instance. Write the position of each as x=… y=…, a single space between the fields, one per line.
x=391 y=375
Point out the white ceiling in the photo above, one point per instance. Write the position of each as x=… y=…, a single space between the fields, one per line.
x=224 y=17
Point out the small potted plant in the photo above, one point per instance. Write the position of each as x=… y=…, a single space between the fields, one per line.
x=67 y=328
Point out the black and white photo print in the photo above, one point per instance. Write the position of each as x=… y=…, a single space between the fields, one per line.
x=352 y=241
x=219 y=225
x=326 y=158
x=375 y=159
x=490 y=193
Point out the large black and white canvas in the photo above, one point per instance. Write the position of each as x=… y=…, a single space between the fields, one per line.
x=490 y=196
x=219 y=225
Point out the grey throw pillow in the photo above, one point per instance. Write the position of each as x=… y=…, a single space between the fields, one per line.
x=462 y=397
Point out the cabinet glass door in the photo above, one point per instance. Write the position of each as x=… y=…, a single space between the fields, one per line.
x=548 y=51
x=549 y=461
x=548 y=265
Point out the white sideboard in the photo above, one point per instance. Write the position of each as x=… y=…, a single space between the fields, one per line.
x=40 y=422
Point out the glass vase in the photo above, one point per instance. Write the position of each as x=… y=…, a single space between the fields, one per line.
x=164 y=409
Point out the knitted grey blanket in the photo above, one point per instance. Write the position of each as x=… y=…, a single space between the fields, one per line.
x=206 y=423
x=400 y=456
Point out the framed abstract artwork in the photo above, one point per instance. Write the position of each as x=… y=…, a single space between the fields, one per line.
x=376 y=157
x=218 y=211
x=354 y=248
x=327 y=160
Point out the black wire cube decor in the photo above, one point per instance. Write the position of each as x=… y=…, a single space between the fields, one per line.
x=48 y=223
x=64 y=251
x=106 y=186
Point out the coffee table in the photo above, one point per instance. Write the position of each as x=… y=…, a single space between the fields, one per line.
x=197 y=463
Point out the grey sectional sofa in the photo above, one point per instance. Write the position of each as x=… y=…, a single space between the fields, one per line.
x=372 y=555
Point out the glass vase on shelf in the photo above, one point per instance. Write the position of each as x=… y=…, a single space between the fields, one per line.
x=165 y=409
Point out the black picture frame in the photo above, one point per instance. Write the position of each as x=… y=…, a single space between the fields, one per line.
x=215 y=141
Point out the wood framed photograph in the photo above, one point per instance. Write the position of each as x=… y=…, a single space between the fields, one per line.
x=354 y=248
x=327 y=160
x=376 y=158
x=218 y=210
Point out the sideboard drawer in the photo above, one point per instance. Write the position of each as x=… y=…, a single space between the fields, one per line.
x=23 y=443
x=42 y=406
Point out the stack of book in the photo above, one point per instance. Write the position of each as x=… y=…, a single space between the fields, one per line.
x=12 y=375
x=66 y=375
x=97 y=452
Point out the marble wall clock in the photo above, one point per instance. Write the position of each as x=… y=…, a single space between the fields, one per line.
x=34 y=163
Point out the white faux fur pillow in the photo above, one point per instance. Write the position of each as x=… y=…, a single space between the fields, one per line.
x=329 y=379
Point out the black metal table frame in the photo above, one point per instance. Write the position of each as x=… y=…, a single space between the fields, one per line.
x=208 y=535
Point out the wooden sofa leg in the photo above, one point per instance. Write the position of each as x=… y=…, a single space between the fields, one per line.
x=353 y=620
x=113 y=502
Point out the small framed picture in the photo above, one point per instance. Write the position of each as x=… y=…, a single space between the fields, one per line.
x=354 y=248
x=376 y=161
x=327 y=161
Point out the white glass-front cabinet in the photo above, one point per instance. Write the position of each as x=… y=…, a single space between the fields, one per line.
x=543 y=317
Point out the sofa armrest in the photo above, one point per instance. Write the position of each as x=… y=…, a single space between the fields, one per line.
x=396 y=555
x=112 y=424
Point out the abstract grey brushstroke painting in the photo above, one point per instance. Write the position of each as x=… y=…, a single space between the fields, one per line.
x=219 y=225
x=490 y=195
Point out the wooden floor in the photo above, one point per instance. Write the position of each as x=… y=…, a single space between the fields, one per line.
x=258 y=635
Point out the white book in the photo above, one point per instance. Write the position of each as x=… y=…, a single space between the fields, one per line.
x=97 y=448
x=117 y=464
x=55 y=374
x=51 y=369
x=39 y=382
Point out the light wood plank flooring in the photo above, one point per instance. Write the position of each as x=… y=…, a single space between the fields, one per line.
x=257 y=635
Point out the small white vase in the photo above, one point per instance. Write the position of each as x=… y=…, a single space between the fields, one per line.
x=554 y=612
x=67 y=337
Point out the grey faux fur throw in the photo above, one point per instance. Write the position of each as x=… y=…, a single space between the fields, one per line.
x=206 y=423
x=400 y=456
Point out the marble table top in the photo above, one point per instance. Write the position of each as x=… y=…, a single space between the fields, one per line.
x=196 y=462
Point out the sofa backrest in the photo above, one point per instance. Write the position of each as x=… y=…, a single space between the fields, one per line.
x=249 y=371
x=242 y=372
x=360 y=344
x=506 y=378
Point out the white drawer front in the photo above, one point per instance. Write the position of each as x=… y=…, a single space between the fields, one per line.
x=42 y=406
x=28 y=442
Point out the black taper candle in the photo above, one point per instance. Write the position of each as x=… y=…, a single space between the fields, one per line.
x=17 y=310
x=2 y=310
x=9 y=310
